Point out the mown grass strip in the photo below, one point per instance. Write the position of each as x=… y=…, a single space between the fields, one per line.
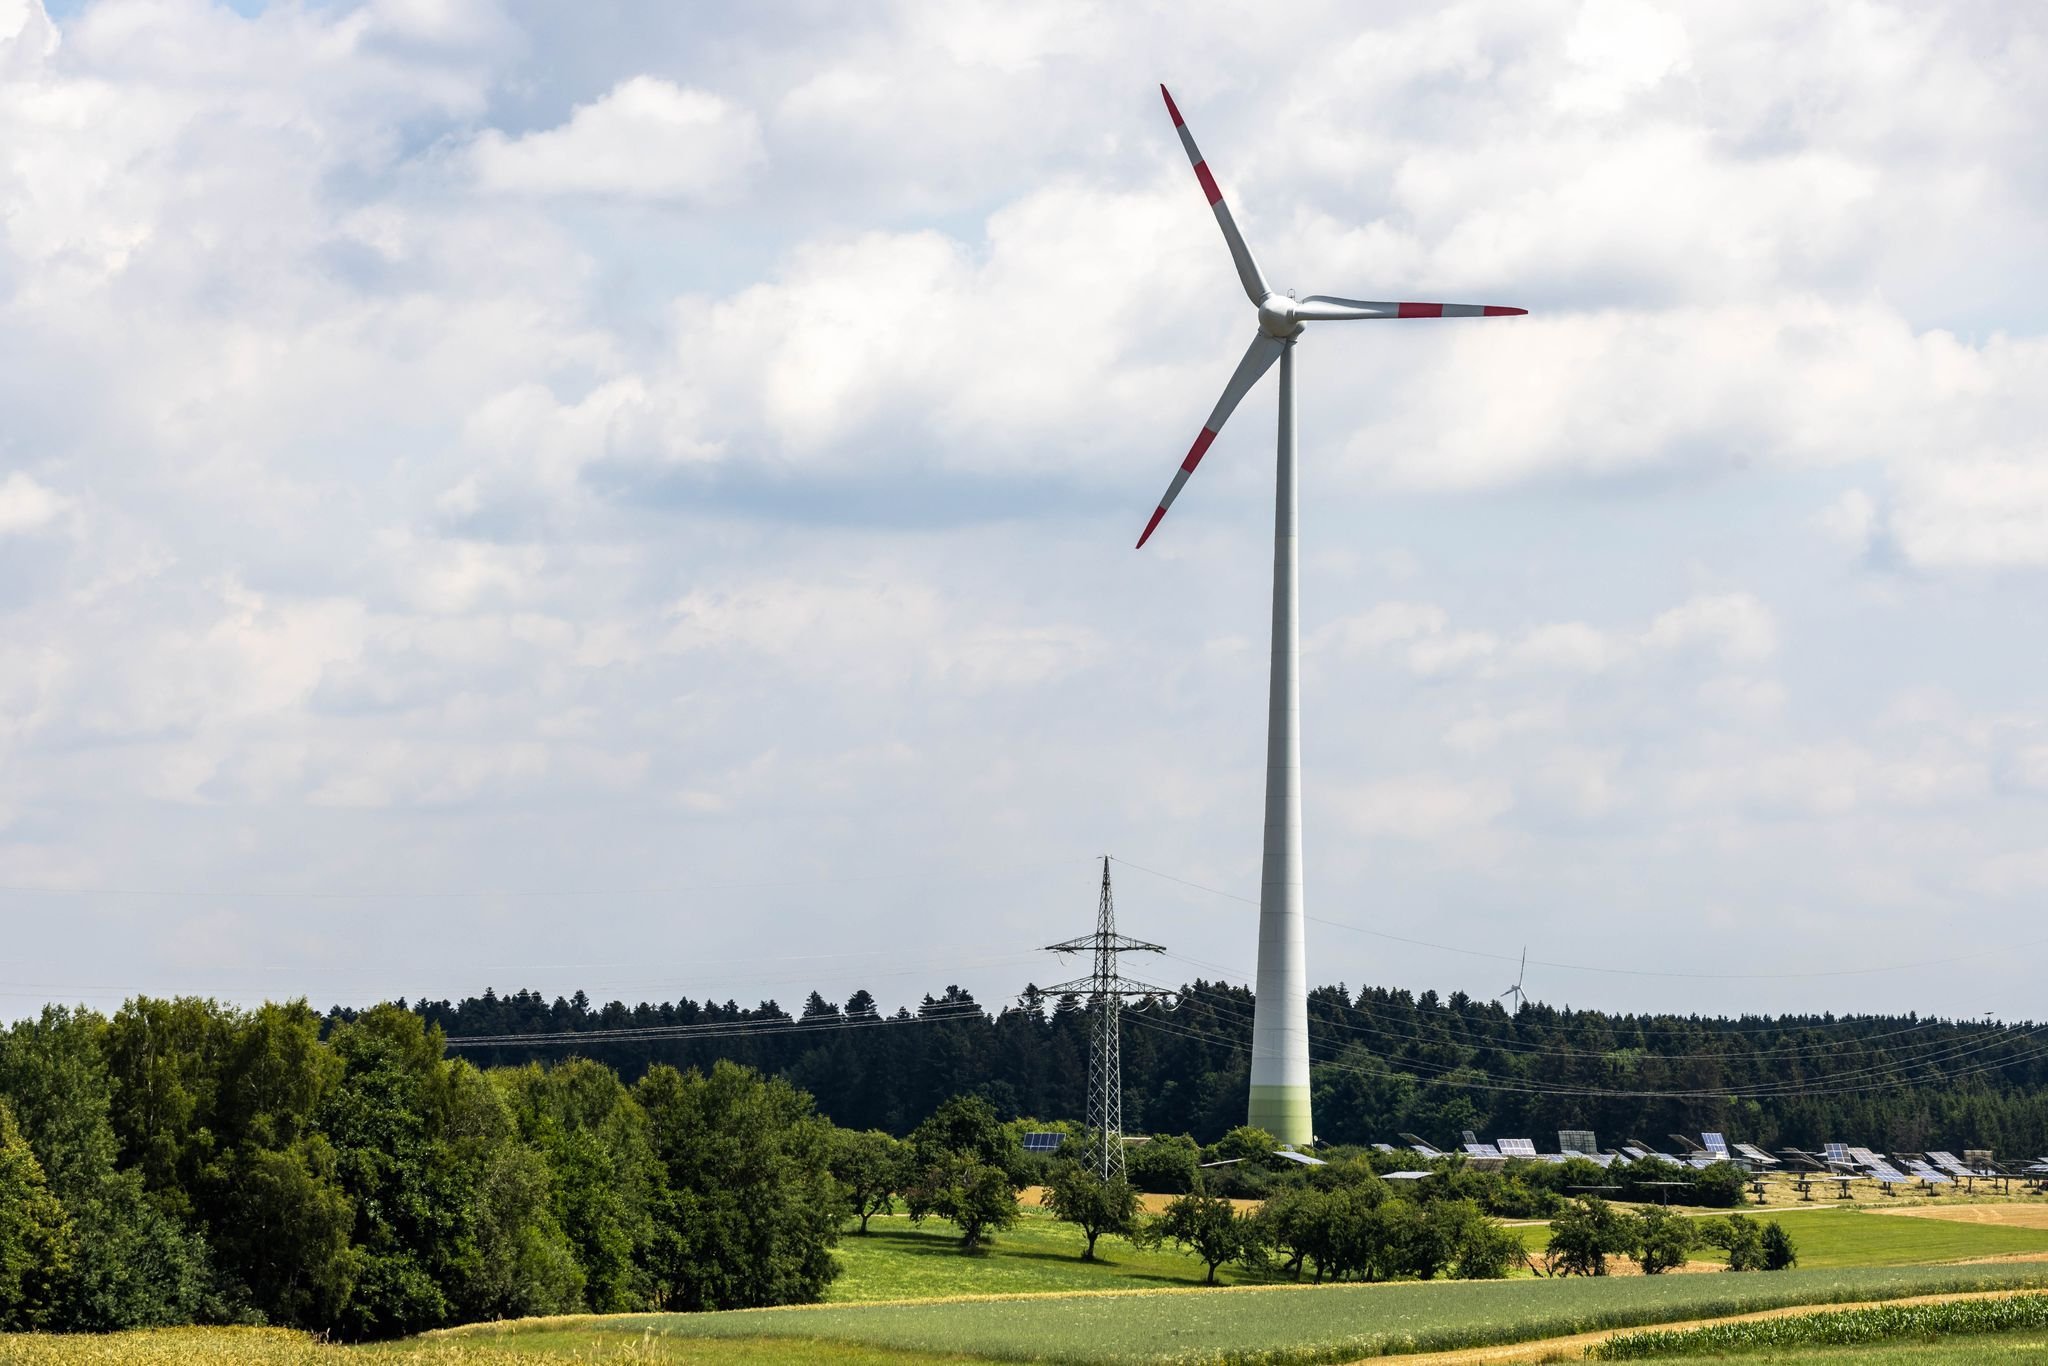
x=1281 y=1326
x=1841 y=1328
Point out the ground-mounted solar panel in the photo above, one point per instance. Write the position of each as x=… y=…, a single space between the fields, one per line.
x=1303 y=1158
x=1837 y=1152
x=1043 y=1143
x=1978 y=1159
x=1756 y=1154
x=1517 y=1147
x=1406 y=1176
x=1383 y=1147
x=1482 y=1150
x=1583 y=1142
x=1714 y=1143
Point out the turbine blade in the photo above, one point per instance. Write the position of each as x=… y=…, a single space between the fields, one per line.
x=1258 y=359
x=1329 y=308
x=1255 y=287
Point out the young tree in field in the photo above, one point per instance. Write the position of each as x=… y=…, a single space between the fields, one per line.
x=34 y=1236
x=1078 y=1195
x=1207 y=1226
x=1663 y=1239
x=1295 y=1223
x=965 y=1167
x=1585 y=1235
x=974 y=1197
x=1778 y=1251
x=1739 y=1236
x=870 y=1165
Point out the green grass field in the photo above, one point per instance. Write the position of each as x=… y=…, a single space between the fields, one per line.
x=1299 y=1323
x=899 y=1260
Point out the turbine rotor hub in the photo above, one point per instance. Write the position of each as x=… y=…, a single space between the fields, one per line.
x=1276 y=317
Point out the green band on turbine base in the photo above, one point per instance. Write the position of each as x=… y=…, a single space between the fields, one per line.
x=1282 y=1111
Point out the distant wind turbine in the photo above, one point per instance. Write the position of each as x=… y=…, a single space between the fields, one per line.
x=1520 y=972
x=1279 y=1076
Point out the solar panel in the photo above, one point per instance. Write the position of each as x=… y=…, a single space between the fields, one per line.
x=1714 y=1143
x=1468 y=1138
x=1404 y=1176
x=1482 y=1150
x=1383 y=1147
x=1042 y=1143
x=1756 y=1154
x=1837 y=1152
x=1303 y=1158
x=1580 y=1141
x=1518 y=1147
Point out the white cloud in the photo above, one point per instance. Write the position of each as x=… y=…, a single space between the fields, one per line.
x=646 y=138
x=26 y=505
x=738 y=469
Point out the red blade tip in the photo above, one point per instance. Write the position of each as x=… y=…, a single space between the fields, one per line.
x=1170 y=106
x=1496 y=311
x=1150 y=527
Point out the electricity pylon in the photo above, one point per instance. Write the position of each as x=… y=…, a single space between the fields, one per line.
x=1105 y=990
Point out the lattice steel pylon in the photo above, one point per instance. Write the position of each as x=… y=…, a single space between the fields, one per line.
x=1105 y=990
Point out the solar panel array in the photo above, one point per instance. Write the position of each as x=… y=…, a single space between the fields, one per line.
x=1042 y=1143
x=1517 y=1147
x=1580 y=1141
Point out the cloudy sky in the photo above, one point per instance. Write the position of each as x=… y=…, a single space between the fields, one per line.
x=497 y=493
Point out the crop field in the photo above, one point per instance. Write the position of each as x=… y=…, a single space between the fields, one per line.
x=1300 y=1323
x=1874 y=1324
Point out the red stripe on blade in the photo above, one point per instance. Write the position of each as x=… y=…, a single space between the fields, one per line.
x=1148 y=528
x=1198 y=450
x=1496 y=311
x=1169 y=105
x=1208 y=181
x=1421 y=311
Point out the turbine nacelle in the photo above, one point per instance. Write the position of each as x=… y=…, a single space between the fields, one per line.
x=1277 y=316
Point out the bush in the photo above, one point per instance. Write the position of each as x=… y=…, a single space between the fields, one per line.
x=1779 y=1254
x=1170 y=1164
x=1739 y=1236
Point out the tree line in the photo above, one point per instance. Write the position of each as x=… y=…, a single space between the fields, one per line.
x=184 y=1161
x=1386 y=1061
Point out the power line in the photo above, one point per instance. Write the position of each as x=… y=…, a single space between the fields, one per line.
x=1611 y=971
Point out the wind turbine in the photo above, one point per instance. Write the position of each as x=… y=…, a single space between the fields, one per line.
x=1279 y=1080
x=1520 y=972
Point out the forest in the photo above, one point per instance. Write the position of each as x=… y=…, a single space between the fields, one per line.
x=1386 y=1061
x=184 y=1161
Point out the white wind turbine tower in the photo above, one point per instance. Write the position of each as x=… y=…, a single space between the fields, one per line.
x=1280 y=1082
